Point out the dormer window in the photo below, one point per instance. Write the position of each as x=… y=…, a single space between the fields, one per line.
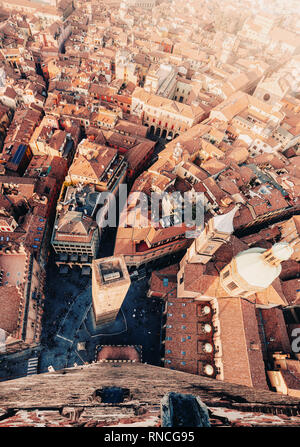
x=232 y=286
x=226 y=274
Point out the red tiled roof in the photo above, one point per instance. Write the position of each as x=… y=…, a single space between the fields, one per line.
x=118 y=353
x=9 y=305
x=241 y=348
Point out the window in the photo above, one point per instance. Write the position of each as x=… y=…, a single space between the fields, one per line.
x=209 y=248
x=226 y=274
x=232 y=286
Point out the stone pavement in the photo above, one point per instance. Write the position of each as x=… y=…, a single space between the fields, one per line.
x=68 y=319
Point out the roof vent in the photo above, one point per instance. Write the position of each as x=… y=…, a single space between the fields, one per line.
x=205 y=310
x=208 y=370
x=207 y=328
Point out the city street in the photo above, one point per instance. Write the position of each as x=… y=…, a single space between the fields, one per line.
x=68 y=319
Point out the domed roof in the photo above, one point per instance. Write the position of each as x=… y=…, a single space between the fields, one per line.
x=224 y=222
x=254 y=269
x=282 y=251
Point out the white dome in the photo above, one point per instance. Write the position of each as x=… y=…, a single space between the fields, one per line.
x=208 y=348
x=206 y=310
x=224 y=222
x=209 y=370
x=253 y=268
x=207 y=328
x=282 y=251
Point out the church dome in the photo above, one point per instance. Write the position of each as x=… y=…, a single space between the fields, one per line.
x=224 y=222
x=282 y=251
x=254 y=268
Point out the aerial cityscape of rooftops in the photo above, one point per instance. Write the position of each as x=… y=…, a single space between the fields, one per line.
x=149 y=213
